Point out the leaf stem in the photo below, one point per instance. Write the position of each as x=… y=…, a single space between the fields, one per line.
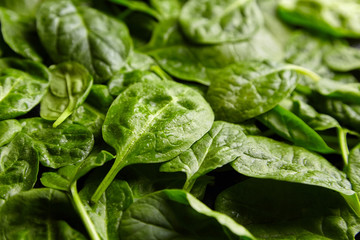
x=343 y=145
x=304 y=71
x=82 y=212
x=105 y=183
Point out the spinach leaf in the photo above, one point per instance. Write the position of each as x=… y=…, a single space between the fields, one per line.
x=100 y=97
x=20 y=34
x=38 y=214
x=70 y=84
x=353 y=167
x=65 y=176
x=328 y=16
x=90 y=118
x=347 y=92
x=120 y=81
x=108 y=211
x=35 y=69
x=22 y=7
x=194 y=62
x=280 y=210
x=136 y=5
x=96 y=40
x=152 y=122
x=214 y=21
x=221 y=145
x=264 y=84
x=175 y=214
x=8 y=130
x=317 y=121
x=343 y=58
x=67 y=144
x=266 y=158
x=348 y=114
x=19 y=92
x=289 y=126
x=19 y=163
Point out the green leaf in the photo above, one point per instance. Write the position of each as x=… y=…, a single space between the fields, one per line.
x=343 y=58
x=266 y=158
x=8 y=130
x=38 y=214
x=292 y=128
x=19 y=92
x=347 y=92
x=96 y=40
x=347 y=114
x=19 y=163
x=100 y=97
x=279 y=210
x=353 y=168
x=65 y=176
x=35 y=69
x=22 y=7
x=220 y=146
x=19 y=33
x=89 y=117
x=317 y=121
x=120 y=81
x=328 y=16
x=175 y=214
x=218 y=21
x=70 y=84
x=263 y=83
x=136 y=5
x=58 y=147
x=108 y=211
x=152 y=122
x=194 y=62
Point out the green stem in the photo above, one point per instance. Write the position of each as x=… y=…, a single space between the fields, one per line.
x=343 y=146
x=163 y=75
x=71 y=105
x=304 y=71
x=188 y=185
x=105 y=183
x=82 y=212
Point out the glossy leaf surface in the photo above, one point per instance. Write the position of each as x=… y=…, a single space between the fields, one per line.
x=96 y=40
x=218 y=21
x=186 y=218
x=279 y=210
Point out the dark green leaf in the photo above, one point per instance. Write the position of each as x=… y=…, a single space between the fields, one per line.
x=266 y=158
x=19 y=33
x=8 y=130
x=19 y=92
x=280 y=210
x=175 y=214
x=353 y=169
x=264 y=84
x=107 y=212
x=58 y=147
x=100 y=97
x=89 y=117
x=96 y=40
x=38 y=214
x=194 y=62
x=289 y=126
x=65 y=176
x=19 y=163
x=220 y=146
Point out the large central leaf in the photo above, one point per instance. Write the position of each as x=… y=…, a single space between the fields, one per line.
x=152 y=122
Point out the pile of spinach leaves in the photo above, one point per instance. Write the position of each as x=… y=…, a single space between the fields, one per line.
x=179 y=119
